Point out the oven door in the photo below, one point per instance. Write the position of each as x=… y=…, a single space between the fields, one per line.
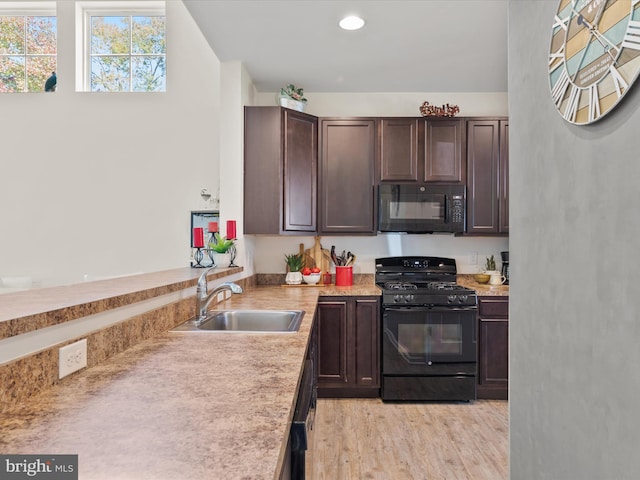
x=428 y=341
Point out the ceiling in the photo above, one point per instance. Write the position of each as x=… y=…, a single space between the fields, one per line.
x=405 y=45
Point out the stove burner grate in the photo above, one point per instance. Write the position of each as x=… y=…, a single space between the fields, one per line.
x=400 y=286
x=443 y=286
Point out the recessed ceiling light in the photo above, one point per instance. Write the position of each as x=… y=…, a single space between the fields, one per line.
x=351 y=23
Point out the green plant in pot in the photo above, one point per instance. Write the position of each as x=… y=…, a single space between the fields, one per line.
x=295 y=263
x=221 y=246
x=490 y=264
x=292 y=97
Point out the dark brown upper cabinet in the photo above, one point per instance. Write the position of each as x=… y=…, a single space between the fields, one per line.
x=488 y=176
x=347 y=159
x=444 y=144
x=398 y=150
x=421 y=150
x=280 y=171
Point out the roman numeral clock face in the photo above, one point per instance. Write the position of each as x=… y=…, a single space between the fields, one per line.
x=594 y=56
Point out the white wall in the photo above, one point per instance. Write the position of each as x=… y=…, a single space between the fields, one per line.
x=73 y=203
x=269 y=253
x=574 y=327
x=102 y=184
x=397 y=104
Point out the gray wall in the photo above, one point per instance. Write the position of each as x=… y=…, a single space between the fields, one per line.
x=575 y=332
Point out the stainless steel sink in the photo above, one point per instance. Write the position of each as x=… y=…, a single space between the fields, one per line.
x=245 y=321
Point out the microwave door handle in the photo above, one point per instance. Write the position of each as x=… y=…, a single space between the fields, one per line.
x=447 y=216
x=396 y=191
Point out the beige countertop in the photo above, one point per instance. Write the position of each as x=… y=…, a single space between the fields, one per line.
x=29 y=310
x=483 y=289
x=180 y=405
x=183 y=405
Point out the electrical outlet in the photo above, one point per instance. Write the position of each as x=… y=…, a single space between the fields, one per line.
x=72 y=358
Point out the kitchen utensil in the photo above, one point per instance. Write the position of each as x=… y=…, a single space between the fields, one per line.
x=334 y=257
x=342 y=260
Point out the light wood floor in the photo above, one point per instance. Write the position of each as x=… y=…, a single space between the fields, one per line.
x=356 y=439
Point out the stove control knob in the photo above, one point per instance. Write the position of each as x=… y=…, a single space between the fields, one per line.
x=463 y=298
x=451 y=298
x=408 y=298
x=397 y=298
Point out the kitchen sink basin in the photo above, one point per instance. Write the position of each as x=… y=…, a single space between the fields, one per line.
x=245 y=321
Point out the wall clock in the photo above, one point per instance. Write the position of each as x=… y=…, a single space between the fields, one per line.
x=594 y=56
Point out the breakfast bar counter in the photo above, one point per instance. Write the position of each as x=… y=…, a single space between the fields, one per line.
x=179 y=405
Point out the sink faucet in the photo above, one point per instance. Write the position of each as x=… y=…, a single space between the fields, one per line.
x=203 y=298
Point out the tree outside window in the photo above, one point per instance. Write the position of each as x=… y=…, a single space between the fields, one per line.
x=27 y=52
x=127 y=54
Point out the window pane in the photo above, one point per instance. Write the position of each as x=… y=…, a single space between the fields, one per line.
x=41 y=35
x=147 y=35
x=148 y=74
x=109 y=35
x=11 y=35
x=12 y=74
x=110 y=74
x=38 y=70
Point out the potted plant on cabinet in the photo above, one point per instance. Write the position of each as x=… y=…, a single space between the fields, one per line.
x=292 y=97
x=295 y=263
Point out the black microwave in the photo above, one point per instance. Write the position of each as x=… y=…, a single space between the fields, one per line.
x=421 y=208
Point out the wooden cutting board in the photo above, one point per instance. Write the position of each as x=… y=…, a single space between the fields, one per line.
x=318 y=256
x=309 y=261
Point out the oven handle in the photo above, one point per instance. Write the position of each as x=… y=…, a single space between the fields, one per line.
x=435 y=308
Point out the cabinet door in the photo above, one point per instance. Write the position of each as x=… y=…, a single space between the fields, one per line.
x=443 y=146
x=366 y=326
x=398 y=150
x=503 y=187
x=346 y=178
x=300 y=171
x=262 y=170
x=332 y=342
x=493 y=348
x=482 y=176
x=280 y=171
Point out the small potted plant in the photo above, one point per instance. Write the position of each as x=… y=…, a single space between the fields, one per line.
x=221 y=246
x=490 y=265
x=295 y=263
x=293 y=98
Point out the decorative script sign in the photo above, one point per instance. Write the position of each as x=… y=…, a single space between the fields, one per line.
x=443 y=111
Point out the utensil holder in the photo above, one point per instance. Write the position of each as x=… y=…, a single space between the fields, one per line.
x=344 y=276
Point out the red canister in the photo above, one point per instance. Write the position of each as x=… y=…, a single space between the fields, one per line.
x=344 y=276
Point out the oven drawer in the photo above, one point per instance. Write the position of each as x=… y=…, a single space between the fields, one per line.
x=458 y=388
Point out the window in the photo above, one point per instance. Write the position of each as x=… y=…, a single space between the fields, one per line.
x=124 y=47
x=28 y=33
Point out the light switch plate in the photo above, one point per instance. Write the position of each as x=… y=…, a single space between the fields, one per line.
x=72 y=358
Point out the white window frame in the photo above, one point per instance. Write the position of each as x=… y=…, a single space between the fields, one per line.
x=42 y=8
x=85 y=10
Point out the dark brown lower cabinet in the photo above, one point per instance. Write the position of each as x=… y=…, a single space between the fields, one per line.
x=348 y=346
x=493 y=348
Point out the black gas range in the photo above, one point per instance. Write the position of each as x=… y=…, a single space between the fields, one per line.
x=421 y=281
x=429 y=330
